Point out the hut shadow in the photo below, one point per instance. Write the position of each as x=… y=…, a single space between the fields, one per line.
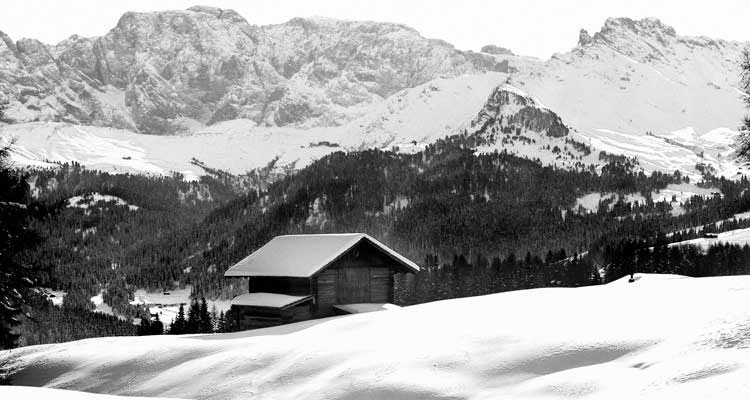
x=395 y=394
x=271 y=331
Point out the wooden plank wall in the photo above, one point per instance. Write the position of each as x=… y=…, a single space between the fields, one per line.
x=353 y=285
x=381 y=285
x=324 y=290
x=341 y=283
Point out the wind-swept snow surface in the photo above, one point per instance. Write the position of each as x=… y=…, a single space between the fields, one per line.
x=663 y=336
x=32 y=393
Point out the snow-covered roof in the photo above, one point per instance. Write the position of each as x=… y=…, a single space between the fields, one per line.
x=272 y=300
x=305 y=255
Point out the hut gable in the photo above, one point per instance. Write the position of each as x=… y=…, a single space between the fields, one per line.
x=304 y=256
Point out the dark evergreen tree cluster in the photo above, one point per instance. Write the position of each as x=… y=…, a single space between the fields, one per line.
x=481 y=276
x=151 y=327
x=47 y=323
x=690 y=260
x=198 y=320
x=17 y=276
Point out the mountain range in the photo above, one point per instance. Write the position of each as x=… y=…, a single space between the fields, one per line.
x=181 y=90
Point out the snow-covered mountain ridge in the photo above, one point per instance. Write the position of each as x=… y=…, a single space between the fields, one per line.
x=170 y=71
x=620 y=340
x=407 y=120
x=640 y=84
x=635 y=88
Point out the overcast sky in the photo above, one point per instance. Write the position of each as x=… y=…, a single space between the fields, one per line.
x=529 y=27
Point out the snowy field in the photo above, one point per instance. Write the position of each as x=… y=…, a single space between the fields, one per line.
x=739 y=237
x=590 y=202
x=675 y=194
x=167 y=304
x=617 y=341
x=683 y=192
x=94 y=198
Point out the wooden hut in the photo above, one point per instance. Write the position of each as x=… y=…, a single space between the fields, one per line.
x=298 y=277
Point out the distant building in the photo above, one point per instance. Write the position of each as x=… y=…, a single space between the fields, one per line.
x=298 y=277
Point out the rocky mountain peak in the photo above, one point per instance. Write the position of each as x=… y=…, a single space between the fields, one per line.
x=646 y=26
x=617 y=30
x=7 y=42
x=33 y=53
x=510 y=108
x=644 y=40
x=226 y=14
x=496 y=50
x=584 y=38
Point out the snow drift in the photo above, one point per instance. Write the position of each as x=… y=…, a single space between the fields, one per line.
x=663 y=336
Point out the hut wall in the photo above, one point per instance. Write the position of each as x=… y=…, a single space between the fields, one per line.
x=362 y=275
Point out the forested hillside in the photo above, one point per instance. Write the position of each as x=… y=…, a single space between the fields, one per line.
x=477 y=222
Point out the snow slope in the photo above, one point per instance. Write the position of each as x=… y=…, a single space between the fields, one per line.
x=30 y=393
x=740 y=237
x=636 y=76
x=419 y=115
x=638 y=88
x=621 y=340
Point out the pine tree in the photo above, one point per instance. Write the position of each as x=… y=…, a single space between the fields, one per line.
x=157 y=327
x=193 y=320
x=204 y=318
x=178 y=326
x=214 y=319
x=16 y=278
x=145 y=327
x=221 y=325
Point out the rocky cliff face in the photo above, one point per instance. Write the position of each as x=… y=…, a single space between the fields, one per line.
x=163 y=72
x=515 y=122
x=510 y=109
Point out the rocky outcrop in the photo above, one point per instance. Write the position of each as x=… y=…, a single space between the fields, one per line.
x=160 y=72
x=510 y=110
x=584 y=38
x=496 y=50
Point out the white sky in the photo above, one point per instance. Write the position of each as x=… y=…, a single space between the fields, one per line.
x=529 y=27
